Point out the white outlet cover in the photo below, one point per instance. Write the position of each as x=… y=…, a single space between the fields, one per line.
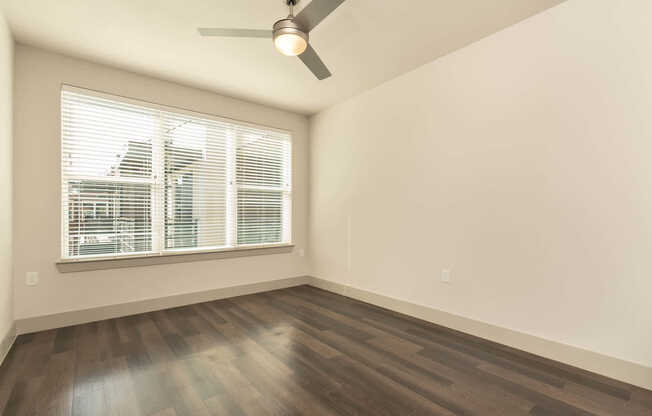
x=31 y=278
x=302 y=252
x=446 y=276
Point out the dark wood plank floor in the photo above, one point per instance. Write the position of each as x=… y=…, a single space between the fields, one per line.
x=298 y=351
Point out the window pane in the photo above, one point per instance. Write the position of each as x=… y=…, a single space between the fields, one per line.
x=108 y=218
x=260 y=217
x=102 y=138
x=107 y=172
x=260 y=161
x=195 y=183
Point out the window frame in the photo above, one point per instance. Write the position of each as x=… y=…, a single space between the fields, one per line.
x=158 y=240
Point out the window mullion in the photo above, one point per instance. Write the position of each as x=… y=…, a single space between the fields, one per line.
x=287 y=193
x=231 y=189
x=157 y=192
x=65 y=207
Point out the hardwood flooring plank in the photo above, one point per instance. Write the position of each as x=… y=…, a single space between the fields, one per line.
x=642 y=397
x=182 y=391
x=119 y=389
x=10 y=370
x=165 y=412
x=609 y=403
x=65 y=339
x=55 y=394
x=542 y=411
x=150 y=389
x=21 y=401
x=533 y=395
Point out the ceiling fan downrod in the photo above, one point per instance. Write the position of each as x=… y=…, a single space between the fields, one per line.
x=291 y=4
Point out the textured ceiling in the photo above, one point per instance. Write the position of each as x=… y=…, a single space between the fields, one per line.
x=364 y=42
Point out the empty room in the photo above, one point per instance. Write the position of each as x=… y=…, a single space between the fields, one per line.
x=326 y=207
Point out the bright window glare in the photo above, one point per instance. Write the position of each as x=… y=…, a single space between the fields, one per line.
x=116 y=127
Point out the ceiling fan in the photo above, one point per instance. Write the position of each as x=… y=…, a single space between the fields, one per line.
x=290 y=34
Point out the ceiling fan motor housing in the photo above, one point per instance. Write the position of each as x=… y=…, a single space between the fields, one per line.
x=287 y=26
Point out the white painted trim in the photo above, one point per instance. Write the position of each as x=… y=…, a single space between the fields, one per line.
x=616 y=368
x=40 y=323
x=6 y=342
x=88 y=264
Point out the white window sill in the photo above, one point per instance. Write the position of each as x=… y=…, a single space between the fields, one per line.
x=181 y=256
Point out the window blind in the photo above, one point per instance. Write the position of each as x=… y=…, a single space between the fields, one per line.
x=139 y=178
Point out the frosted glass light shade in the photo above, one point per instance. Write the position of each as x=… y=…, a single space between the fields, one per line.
x=290 y=44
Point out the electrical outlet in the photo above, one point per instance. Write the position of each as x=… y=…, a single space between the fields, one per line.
x=302 y=252
x=445 y=276
x=31 y=278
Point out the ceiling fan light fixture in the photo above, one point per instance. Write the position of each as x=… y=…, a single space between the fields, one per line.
x=289 y=39
x=290 y=34
x=290 y=44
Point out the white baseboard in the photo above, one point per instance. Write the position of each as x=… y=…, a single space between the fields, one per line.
x=626 y=371
x=40 y=323
x=6 y=342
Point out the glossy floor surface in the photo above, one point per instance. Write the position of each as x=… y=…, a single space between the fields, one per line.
x=298 y=351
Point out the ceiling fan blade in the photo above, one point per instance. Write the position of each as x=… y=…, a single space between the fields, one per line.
x=314 y=63
x=235 y=33
x=315 y=12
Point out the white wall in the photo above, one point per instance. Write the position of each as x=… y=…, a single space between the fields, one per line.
x=522 y=162
x=38 y=79
x=6 y=182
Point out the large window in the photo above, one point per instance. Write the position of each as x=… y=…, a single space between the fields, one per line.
x=144 y=179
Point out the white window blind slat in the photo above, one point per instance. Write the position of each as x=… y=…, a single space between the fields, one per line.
x=141 y=178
